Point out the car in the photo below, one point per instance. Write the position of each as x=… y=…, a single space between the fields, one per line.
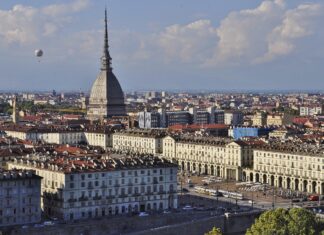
x=166 y=212
x=143 y=214
x=227 y=214
x=24 y=226
x=48 y=223
x=295 y=200
x=187 y=208
x=185 y=190
x=313 y=198
x=38 y=225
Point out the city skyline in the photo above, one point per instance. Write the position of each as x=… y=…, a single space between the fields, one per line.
x=260 y=45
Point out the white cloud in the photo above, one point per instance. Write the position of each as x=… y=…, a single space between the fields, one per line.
x=249 y=36
x=26 y=24
x=188 y=42
x=297 y=23
x=62 y=9
x=242 y=34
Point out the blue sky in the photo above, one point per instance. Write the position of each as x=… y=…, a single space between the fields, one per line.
x=170 y=44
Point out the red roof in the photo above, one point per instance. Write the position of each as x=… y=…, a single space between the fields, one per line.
x=198 y=126
x=69 y=149
x=300 y=120
x=71 y=116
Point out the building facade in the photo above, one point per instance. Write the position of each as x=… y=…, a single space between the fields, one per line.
x=310 y=110
x=259 y=119
x=20 y=196
x=139 y=141
x=149 y=119
x=233 y=118
x=219 y=157
x=110 y=185
x=290 y=167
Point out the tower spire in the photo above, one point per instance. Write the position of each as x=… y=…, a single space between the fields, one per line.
x=106 y=59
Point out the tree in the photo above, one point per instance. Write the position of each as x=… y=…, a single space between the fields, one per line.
x=296 y=221
x=214 y=231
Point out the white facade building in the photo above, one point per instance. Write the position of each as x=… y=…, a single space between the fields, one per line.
x=81 y=188
x=297 y=167
x=310 y=110
x=139 y=141
x=219 y=157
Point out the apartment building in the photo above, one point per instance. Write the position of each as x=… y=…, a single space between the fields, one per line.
x=259 y=119
x=310 y=110
x=233 y=118
x=139 y=141
x=20 y=193
x=82 y=187
x=214 y=156
x=93 y=135
x=47 y=135
x=295 y=166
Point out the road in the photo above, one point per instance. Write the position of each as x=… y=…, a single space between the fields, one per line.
x=262 y=205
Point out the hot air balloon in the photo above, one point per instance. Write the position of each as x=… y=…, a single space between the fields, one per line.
x=39 y=53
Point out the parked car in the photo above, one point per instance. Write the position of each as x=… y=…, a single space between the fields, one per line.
x=187 y=208
x=185 y=190
x=38 y=225
x=143 y=214
x=48 y=223
x=313 y=198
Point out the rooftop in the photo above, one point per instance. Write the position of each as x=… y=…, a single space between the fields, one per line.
x=17 y=174
x=107 y=162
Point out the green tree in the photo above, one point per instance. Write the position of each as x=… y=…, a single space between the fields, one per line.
x=295 y=221
x=214 y=231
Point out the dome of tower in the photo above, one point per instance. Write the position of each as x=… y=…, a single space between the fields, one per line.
x=106 y=97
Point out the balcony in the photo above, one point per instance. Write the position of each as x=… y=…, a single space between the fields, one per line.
x=136 y=194
x=72 y=200
x=97 y=198
x=116 y=185
x=83 y=199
